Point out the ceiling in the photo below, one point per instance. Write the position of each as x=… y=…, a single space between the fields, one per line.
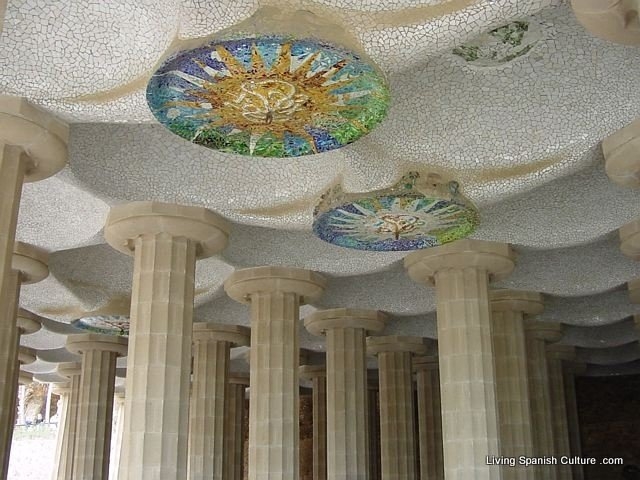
x=521 y=136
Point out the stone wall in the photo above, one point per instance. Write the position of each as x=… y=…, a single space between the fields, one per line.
x=609 y=409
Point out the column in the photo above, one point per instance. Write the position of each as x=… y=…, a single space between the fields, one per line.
x=397 y=434
x=630 y=239
x=116 y=437
x=461 y=272
x=233 y=429
x=318 y=376
x=621 y=149
x=165 y=240
x=28 y=265
x=211 y=348
x=347 y=433
x=512 y=381
x=429 y=418
x=33 y=146
x=556 y=354
x=275 y=295
x=634 y=291
x=64 y=391
x=538 y=334
x=573 y=420
x=373 y=423
x=95 y=405
x=64 y=463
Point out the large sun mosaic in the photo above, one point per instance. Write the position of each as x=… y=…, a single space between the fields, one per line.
x=269 y=96
x=104 y=324
x=411 y=215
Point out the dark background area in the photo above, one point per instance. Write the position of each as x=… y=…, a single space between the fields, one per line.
x=609 y=410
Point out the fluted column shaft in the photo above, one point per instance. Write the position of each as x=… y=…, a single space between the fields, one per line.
x=12 y=171
x=540 y=402
x=319 y=401
x=347 y=432
x=207 y=413
x=512 y=392
x=95 y=407
x=117 y=436
x=9 y=365
x=559 y=415
x=157 y=402
x=274 y=396
x=573 y=421
x=64 y=469
x=373 y=423
x=429 y=420
x=275 y=295
x=467 y=378
x=233 y=432
x=63 y=413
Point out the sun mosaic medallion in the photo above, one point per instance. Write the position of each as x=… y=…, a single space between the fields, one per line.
x=269 y=96
x=117 y=325
x=411 y=215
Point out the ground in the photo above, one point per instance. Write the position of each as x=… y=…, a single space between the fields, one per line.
x=32 y=452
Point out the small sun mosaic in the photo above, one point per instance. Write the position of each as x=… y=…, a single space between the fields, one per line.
x=413 y=214
x=500 y=45
x=104 y=324
x=269 y=96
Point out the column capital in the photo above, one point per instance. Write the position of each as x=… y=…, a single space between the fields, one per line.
x=395 y=343
x=498 y=259
x=31 y=262
x=547 y=331
x=69 y=369
x=61 y=389
x=25 y=378
x=26 y=355
x=236 y=335
x=238 y=378
x=39 y=134
x=28 y=322
x=127 y=222
x=373 y=321
x=561 y=352
x=430 y=362
x=243 y=283
x=312 y=371
x=634 y=290
x=85 y=342
x=630 y=239
x=504 y=300
x=621 y=152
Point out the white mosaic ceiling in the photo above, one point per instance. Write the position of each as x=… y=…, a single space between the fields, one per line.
x=522 y=137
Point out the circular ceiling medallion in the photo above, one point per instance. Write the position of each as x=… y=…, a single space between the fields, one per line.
x=411 y=215
x=269 y=96
x=500 y=45
x=104 y=324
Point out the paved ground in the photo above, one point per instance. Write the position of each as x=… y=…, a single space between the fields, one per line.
x=32 y=453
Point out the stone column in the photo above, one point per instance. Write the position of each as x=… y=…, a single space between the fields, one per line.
x=573 y=420
x=373 y=423
x=512 y=380
x=538 y=334
x=461 y=272
x=166 y=240
x=116 y=437
x=275 y=295
x=33 y=146
x=429 y=418
x=64 y=391
x=64 y=463
x=318 y=376
x=95 y=405
x=634 y=291
x=556 y=354
x=347 y=441
x=621 y=149
x=233 y=429
x=28 y=265
x=211 y=348
x=630 y=239
x=397 y=430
